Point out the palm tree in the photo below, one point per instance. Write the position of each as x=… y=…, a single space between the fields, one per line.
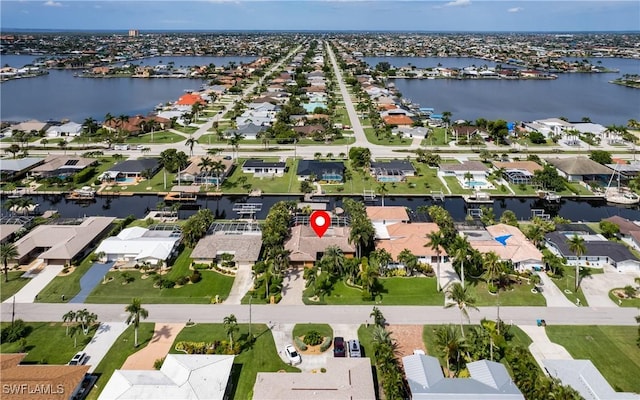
x=69 y=317
x=90 y=125
x=535 y=233
x=468 y=176
x=378 y=318
x=459 y=296
x=136 y=311
x=121 y=120
x=13 y=149
x=218 y=167
x=382 y=190
x=334 y=260
x=384 y=258
x=460 y=252
x=8 y=251
x=205 y=166
x=63 y=145
x=108 y=119
x=409 y=260
x=191 y=142
x=436 y=240
x=451 y=345
x=311 y=276
x=578 y=248
x=86 y=319
x=234 y=141
x=230 y=326
x=493 y=267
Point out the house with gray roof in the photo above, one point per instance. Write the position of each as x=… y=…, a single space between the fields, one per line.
x=584 y=377
x=488 y=380
x=62 y=166
x=580 y=169
x=14 y=168
x=249 y=131
x=321 y=170
x=68 y=129
x=392 y=170
x=132 y=168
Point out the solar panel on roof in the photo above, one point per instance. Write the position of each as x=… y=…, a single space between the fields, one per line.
x=72 y=162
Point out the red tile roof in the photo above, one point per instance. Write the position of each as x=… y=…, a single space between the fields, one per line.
x=190 y=99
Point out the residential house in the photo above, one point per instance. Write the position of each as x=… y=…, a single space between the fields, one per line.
x=308 y=130
x=465 y=131
x=477 y=170
x=249 y=131
x=132 y=169
x=10 y=225
x=62 y=166
x=584 y=377
x=387 y=215
x=332 y=171
x=487 y=380
x=260 y=168
x=182 y=376
x=243 y=240
x=38 y=381
x=399 y=236
x=548 y=127
x=256 y=117
x=11 y=169
x=410 y=131
x=197 y=174
x=189 y=99
x=345 y=378
x=136 y=245
x=306 y=247
x=68 y=129
x=398 y=120
x=517 y=172
x=509 y=243
x=61 y=243
x=32 y=125
x=392 y=170
x=599 y=251
x=311 y=106
x=580 y=168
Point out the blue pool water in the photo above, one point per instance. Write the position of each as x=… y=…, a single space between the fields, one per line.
x=331 y=177
x=389 y=179
x=474 y=184
x=126 y=180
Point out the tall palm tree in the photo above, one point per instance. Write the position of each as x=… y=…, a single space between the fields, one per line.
x=493 y=267
x=535 y=233
x=63 y=145
x=234 y=141
x=8 y=251
x=578 y=248
x=460 y=252
x=436 y=240
x=468 y=176
x=190 y=143
x=451 y=345
x=121 y=120
x=205 y=165
x=311 y=276
x=334 y=260
x=14 y=149
x=90 y=126
x=384 y=258
x=108 y=119
x=460 y=297
x=409 y=260
x=230 y=326
x=136 y=311
x=378 y=317
x=218 y=168
x=70 y=316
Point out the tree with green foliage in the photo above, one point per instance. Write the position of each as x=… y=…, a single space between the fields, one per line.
x=136 y=312
x=548 y=178
x=609 y=229
x=435 y=243
x=378 y=317
x=8 y=251
x=360 y=157
x=459 y=296
x=600 y=156
x=578 y=247
x=409 y=260
x=452 y=346
x=230 y=323
x=509 y=217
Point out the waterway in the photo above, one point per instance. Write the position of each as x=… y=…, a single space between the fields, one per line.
x=60 y=95
x=139 y=205
x=572 y=95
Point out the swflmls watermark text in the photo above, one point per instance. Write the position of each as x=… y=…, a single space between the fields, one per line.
x=26 y=389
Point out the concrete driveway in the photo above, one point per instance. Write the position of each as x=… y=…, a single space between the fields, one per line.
x=552 y=294
x=283 y=336
x=542 y=348
x=596 y=287
x=242 y=282
x=105 y=337
x=292 y=287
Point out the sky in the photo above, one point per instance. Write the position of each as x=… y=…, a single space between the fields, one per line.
x=333 y=15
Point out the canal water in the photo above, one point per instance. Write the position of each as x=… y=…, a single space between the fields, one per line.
x=222 y=207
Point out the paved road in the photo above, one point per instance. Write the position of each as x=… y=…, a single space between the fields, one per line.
x=334 y=314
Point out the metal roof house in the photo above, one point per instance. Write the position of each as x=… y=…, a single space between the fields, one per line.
x=13 y=168
x=488 y=380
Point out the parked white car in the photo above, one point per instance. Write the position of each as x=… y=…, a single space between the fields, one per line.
x=292 y=355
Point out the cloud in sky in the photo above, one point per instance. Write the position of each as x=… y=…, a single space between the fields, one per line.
x=458 y=3
x=515 y=9
x=51 y=3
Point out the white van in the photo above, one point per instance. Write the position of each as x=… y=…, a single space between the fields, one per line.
x=121 y=147
x=79 y=358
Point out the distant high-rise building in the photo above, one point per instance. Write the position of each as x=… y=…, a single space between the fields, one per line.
x=134 y=33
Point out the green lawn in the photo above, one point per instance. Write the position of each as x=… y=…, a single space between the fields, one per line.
x=68 y=285
x=118 y=354
x=288 y=183
x=626 y=302
x=436 y=138
x=455 y=187
x=517 y=295
x=104 y=163
x=156 y=183
x=158 y=138
x=528 y=189
x=396 y=291
x=612 y=349
x=322 y=329
x=393 y=140
x=365 y=336
x=567 y=282
x=8 y=289
x=48 y=343
x=261 y=357
x=185 y=129
x=203 y=292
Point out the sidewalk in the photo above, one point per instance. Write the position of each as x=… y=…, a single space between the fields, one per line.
x=105 y=337
x=28 y=293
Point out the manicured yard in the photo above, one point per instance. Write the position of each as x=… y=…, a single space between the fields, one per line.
x=612 y=349
x=396 y=291
x=517 y=295
x=68 y=285
x=626 y=302
x=527 y=190
x=118 y=354
x=186 y=129
x=261 y=357
x=365 y=336
x=383 y=140
x=436 y=138
x=288 y=183
x=158 y=138
x=8 y=289
x=567 y=282
x=322 y=329
x=48 y=342
x=203 y=292
x=455 y=186
x=156 y=183
x=104 y=164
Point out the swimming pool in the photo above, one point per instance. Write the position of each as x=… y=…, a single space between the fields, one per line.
x=126 y=180
x=331 y=177
x=389 y=179
x=475 y=184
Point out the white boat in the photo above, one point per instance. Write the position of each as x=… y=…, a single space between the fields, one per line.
x=619 y=194
x=549 y=196
x=85 y=193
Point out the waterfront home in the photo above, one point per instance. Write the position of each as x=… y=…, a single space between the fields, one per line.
x=410 y=131
x=600 y=252
x=396 y=237
x=465 y=131
x=130 y=171
x=626 y=227
x=11 y=169
x=580 y=168
x=518 y=172
x=345 y=378
x=62 y=166
x=509 y=243
x=477 y=170
x=182 y=376
x=33 y=381
x=249 y=131
x=312 y=170
x=32 y=125
x=137 y=245
x=10 y=225
x=487 y=379
x=260 y=168
x=135 y=124
x=392 y=170
x=189 y=99
x=398 y=120
x=61 y=242
x=242 y=240
x=382 y=216
x=197 y=173
x=548 y=127
x=68 y=129
x=306 y=247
